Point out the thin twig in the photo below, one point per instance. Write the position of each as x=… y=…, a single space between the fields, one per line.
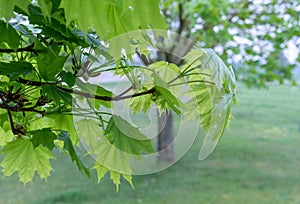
x=193 y=81
x=125 y=92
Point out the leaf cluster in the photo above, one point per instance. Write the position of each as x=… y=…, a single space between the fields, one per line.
x=50 y=53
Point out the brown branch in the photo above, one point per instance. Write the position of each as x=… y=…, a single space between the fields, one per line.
x=29 y=48
x=182 y=44
x=84 y=94
x=33 y=83
x=16 y=130
x=11 y=121
x=149 y=91
x=20 y=109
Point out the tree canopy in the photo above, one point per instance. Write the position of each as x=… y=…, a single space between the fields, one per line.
x=249 y=34
x=51 y=53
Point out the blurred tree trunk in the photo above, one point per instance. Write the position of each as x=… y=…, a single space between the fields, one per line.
x=165 y=145
x=173 y=54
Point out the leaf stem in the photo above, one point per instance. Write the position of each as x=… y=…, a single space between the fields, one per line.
x=194 y=81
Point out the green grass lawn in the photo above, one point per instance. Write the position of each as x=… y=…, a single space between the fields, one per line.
x=256 y=162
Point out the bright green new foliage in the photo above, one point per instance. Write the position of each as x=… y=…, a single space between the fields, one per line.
x=52 y=54
x=112 y=18
x=21 y=156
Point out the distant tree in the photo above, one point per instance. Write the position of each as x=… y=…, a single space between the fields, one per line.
x=250 y=35
x=254 y=31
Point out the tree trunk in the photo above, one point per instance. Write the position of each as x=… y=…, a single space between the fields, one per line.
x=165 y=146
x=165 y=121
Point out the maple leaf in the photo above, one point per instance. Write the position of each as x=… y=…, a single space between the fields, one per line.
x=21 y=156
x=108 y=158
x=126 y=137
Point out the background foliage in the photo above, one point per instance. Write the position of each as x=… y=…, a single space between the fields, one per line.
x=250 y=34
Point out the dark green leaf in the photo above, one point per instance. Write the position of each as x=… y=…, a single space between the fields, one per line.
x=126 y=137
x=3 y=118
x=35 y=15
x=15 y=69
x=49 y=62
x=61 y=32
x=68 y=146
x=9 y=35
x=24 y=30
x=57 y=95
x=68 y=78
x=43 y=137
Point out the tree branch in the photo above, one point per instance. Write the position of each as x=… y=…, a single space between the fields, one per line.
x=193 y=81
x=11 y=121
x=29 y=48
x=21 y=109
x=84 y=94
x=181 y=44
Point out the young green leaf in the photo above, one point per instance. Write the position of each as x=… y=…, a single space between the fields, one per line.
x=21 y=156
x=126 y=16
x=89 y=133
x=46 y=7
x=66 y=123
x=213 y=107
x=114 y=176
x=7 y=9
x=221 y=75
x=165 y=98
x=212 y=92
x=141 y=103
x=220 y=118
x=107 y=157
x=5 y=136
